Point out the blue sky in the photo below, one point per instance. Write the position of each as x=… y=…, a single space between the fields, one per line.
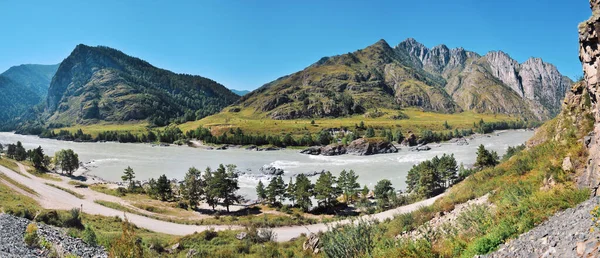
x=244 y=44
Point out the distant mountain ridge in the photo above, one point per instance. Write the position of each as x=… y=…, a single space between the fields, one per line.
x=34 y=76
x=411 y=75
x=96 y=84
x=21 y=88
x=240 y=92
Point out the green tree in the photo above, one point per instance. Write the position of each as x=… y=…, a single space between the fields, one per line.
x=67 y=160
x=370 y=132
x=38 y=159
x=152 y=188
x=128 y=176
x=348 y=184
x=290 y=192
x=447 y=170
x=326 y=190
x=163 y=188
x=383 y=191
x=275 y=190
x=230 y=186
x=191 y=187
x=261 y=192
x=303 y=192
x=364 y=193
x=210 y=189
x=20 y=152
x=486 y=158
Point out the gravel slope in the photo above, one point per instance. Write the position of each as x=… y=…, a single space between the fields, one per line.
x=566 y=234
x=12 y=244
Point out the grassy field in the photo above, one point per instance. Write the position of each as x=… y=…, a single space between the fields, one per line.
x=135 y=128
x=253 y=123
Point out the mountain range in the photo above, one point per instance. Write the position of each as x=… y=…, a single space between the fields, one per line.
x=411 y=75
x=101 y=84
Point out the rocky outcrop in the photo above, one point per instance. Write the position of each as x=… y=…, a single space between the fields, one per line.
x=370 y=147
x=357 y=147
x=566 y=234
x=589 y=55
x=12 y=245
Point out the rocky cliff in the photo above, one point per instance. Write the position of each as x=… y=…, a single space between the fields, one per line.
x=589 y=54
x=474 y=81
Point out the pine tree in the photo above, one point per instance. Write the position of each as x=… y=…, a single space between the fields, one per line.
x=348 y=184
x=383 y=191
x=210 y=188
x=260 y=191
x=485 y=158
x=326 y=190
x=370 y=132
x=163 y=188
x=191 y=187
x=128 y=176
x=303 y=192
x=230 y=187
x=275 y=190
x=290 y=192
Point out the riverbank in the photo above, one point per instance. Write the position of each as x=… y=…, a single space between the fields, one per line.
x=108 y=160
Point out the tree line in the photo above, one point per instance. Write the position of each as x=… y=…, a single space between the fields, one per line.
x=215 y=187
x=66 y=160
x=432 y=177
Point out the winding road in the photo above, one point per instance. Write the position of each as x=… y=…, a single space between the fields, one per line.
x=53 y=198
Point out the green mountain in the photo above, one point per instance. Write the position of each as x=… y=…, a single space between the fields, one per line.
x=95 y=84
x=33 y=76
x=15 y=99
x=411 y=75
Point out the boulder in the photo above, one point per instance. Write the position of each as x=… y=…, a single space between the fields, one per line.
x=567 y=165
x=270 y=170
x=314 y=150
x=312 y=243
x=241 y=235
x=333 y=150
x=370 y=147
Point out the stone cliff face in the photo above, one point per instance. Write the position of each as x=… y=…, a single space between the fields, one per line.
x=539 y=85
x=589 y=54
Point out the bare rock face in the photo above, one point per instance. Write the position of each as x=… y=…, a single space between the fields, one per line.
x=534 y=80
x=589 y=54
x=505 y=69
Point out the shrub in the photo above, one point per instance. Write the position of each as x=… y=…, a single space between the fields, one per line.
x=350 y=240
x=49 y=218
x=89 y=236
x=73 y=219
x=31 y=237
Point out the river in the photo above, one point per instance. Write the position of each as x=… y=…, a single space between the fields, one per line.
x=108 y=160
